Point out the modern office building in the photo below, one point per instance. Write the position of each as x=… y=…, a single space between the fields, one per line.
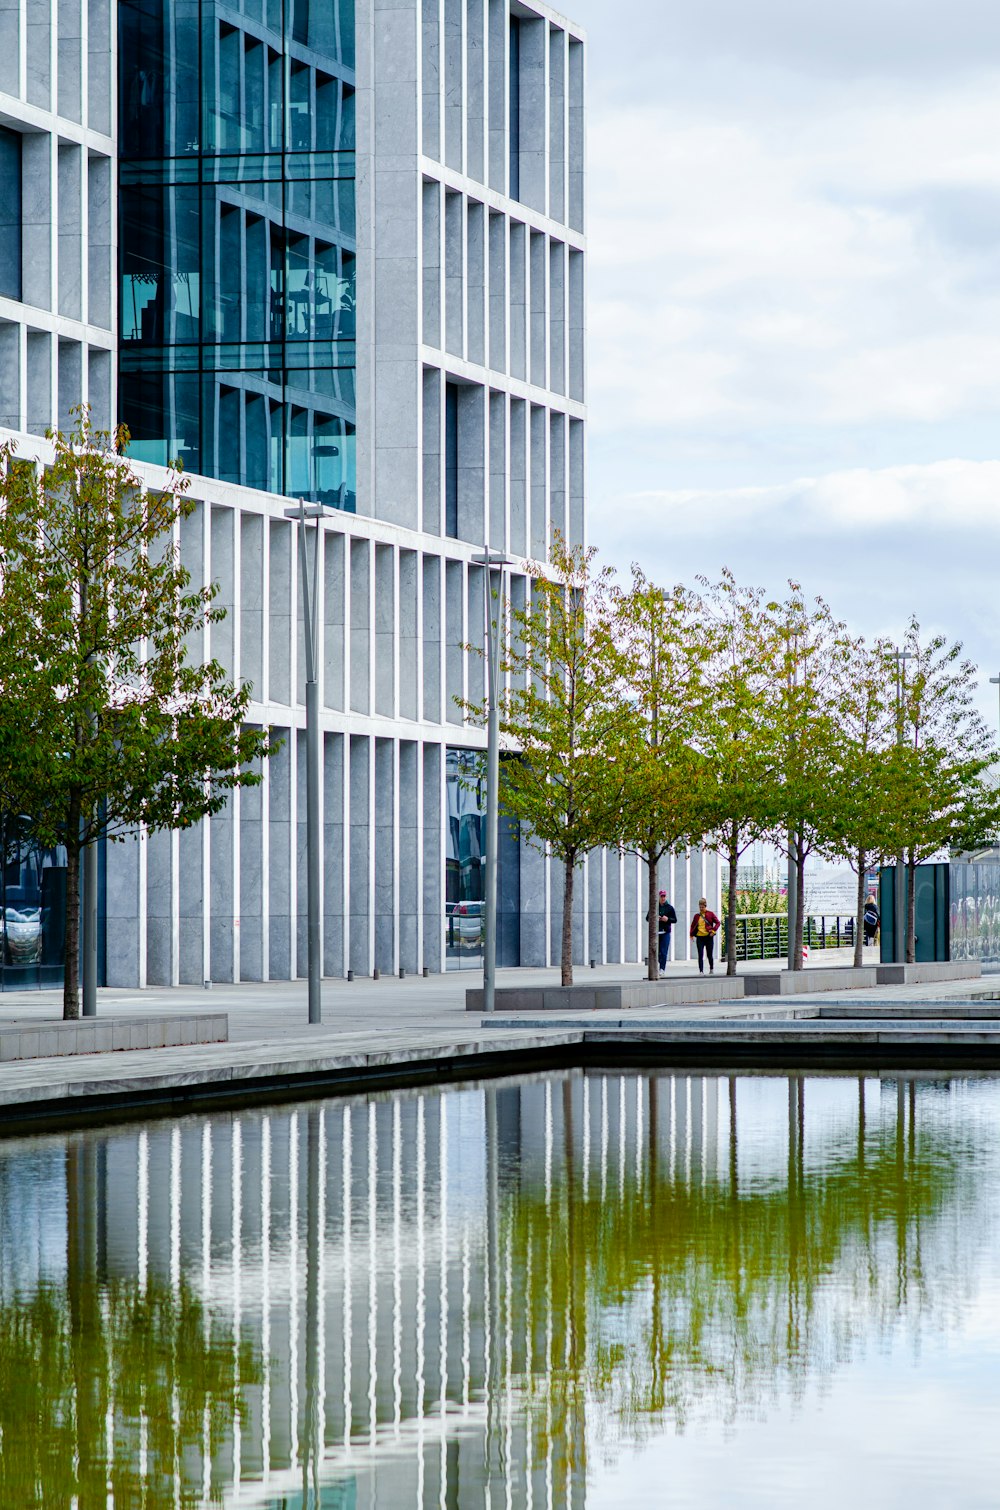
x=334 y=252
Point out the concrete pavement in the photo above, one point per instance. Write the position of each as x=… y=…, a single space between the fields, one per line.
x=378 y=1033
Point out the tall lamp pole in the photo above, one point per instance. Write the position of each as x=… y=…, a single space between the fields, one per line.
x=494 y=562
x=995 y=682
x=899 y=888
x=310 y=621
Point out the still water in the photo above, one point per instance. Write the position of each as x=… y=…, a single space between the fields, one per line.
x=578 y=1290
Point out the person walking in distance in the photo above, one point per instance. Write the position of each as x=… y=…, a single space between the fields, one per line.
x=871 y=919
x=666 y=918
x=704 y=926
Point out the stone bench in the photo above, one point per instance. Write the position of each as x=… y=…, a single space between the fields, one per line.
x=812 y=978
x=611 y=996
x=928 y=972
x=32 y=1038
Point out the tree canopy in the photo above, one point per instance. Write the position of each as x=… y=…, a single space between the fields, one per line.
x=108 y=724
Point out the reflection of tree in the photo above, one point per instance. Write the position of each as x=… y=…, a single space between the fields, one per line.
x=673 y=1295
x=110 y=1392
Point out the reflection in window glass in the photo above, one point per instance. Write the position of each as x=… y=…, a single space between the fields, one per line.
x=238 y=287
x=465 y=880
x=32 y=908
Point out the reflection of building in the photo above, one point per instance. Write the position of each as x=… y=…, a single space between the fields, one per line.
x=350 y=247
x=350 y=1247
x=464 y=1298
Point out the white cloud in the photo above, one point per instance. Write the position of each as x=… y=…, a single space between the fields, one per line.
x=780 y=270
x=963 y=495
x=879 y=545
x=794 y=217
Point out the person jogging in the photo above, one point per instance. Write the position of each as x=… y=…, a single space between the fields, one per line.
x=704 y=926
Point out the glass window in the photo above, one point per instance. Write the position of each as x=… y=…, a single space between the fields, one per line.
x=238 y=284
x=465 y=879
x=464 y=862
x=32 y=908
x=10 y=214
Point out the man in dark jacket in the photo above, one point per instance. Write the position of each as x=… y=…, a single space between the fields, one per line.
x=667 y=917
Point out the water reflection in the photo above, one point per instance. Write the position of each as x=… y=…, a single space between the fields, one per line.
x=464 y=1298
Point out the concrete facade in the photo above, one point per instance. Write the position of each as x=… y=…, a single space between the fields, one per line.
x=470 y=429
x=58 y=137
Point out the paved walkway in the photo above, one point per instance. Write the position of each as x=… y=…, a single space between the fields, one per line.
x=377 y=1032
x=276 y=1010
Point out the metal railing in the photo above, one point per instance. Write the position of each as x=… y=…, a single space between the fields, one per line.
x=764 y=935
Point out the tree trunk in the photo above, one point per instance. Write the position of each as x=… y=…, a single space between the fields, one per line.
x=911 y=932
x=653 y=920
x=569 y=873
x=71 y=977
x=734 y=856
x=859 y=911
x=800 y=901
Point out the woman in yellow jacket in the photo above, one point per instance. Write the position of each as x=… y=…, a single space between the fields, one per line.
x=704 y=926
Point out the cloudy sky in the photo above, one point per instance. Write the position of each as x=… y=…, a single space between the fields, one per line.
x=794 y=365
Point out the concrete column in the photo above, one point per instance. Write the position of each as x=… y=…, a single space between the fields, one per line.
x=408 y=859
x=160 y=914
x=225 y=895
x=433 y=853
x=125 y=901
x=333 y=623
x=360 y=854
x=252 y=884
x=279 y=878
x=408 y=660
x=385 y=855
x=334 y=859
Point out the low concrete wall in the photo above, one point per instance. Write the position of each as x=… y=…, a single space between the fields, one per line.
x=918 y=975
x=31 y=1039
x=609 y=997
x=813 y=978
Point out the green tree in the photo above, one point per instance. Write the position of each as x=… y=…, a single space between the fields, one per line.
x=943 y=755
x=106 y=726
x=736 y=736
x=860 y=793
x=665 y=647
x=563 y=715
x=808 y=738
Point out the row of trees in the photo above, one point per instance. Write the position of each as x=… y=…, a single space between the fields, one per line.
x=650 y=719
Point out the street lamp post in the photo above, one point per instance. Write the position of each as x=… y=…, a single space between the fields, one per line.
x=310 y=621
x=899 y=888
x=995 y=682
x=494 y=562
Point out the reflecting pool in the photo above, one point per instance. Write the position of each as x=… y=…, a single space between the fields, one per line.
x=576 y=1290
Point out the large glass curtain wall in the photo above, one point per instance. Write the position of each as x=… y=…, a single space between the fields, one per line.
x=237 y=234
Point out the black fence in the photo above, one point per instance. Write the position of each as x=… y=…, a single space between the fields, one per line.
x=765 y=935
